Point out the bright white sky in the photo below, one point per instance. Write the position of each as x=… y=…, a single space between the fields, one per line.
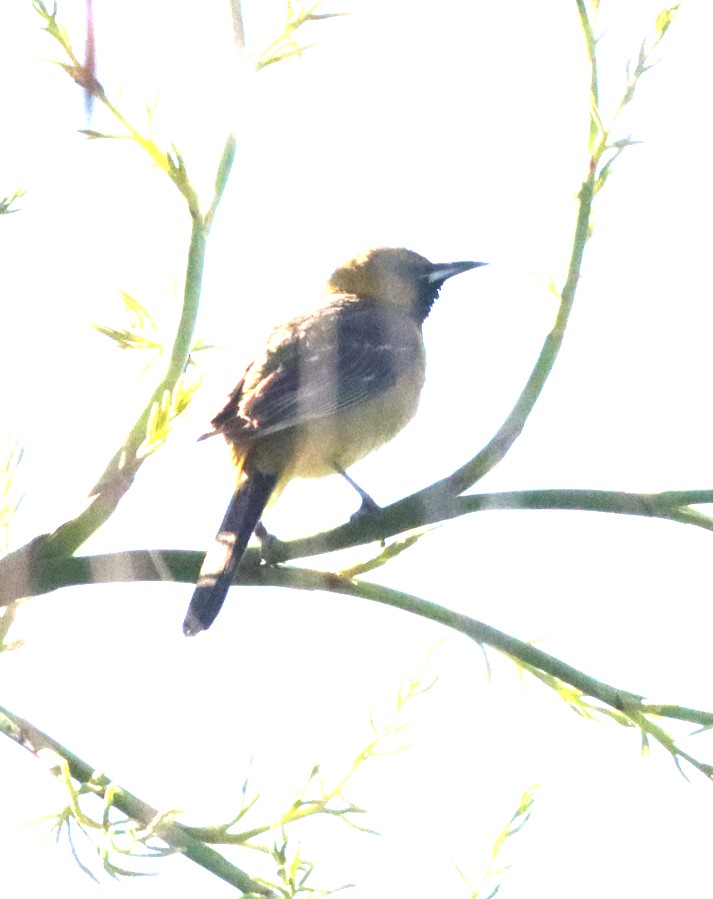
x=458 y=131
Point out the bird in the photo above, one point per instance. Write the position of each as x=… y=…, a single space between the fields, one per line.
x=328 y=388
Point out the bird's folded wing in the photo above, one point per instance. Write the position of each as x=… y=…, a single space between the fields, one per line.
x=314 y=367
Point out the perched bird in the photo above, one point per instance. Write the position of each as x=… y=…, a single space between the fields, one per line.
x=327 y=389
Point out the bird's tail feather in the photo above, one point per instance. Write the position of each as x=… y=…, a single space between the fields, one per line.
x=223 y=557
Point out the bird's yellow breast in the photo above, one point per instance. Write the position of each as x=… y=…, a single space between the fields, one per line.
x=357 y=431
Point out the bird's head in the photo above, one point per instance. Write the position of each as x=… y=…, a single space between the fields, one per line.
x=398 y=276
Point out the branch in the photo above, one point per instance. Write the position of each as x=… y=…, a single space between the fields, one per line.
x=411 y=513
x=183 y=566
x=286 y=46
x=317 y=797
x=175 y=835
x=593 y=181
x=29 y=573
x=122 y=468
x=138 y=836
x=7 y=202
x=500 y=444
x=622 y=705
x=119 y=474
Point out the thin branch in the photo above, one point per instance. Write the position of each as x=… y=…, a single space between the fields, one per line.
x=411 y=512
x=7 y=202
x=620 y=701
x=183 y=566
x=500 y=444
x=238 y=27
x=36 y=741
x=317 y=797
x=285 y=46
x=121 y=470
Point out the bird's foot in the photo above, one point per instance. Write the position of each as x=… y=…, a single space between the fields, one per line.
x=269 y=545
x=367 y=505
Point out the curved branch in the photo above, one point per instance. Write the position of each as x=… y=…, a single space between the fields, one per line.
x=119 y=474
x=121 y=470
x=412 y=512
x=181 y=565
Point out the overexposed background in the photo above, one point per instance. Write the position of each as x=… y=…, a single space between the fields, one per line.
x=458 y=131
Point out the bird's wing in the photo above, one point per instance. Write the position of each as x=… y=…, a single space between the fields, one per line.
x=313 y=367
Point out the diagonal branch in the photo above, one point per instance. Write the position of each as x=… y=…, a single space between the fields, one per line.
x=623 y=705
x=512 y=427
x=121 y=470
x=38 y=743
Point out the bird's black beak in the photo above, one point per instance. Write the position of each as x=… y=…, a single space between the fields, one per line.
x=444 y=270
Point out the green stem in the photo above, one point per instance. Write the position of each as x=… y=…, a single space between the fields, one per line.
x=119 y=473
x=511 y=429
x=595 y=125
x=298 y=812
x=175 y=835
x=183 y=566
x=411 y=513
x=616 y=698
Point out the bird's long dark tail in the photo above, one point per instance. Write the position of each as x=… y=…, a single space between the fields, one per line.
x=224 y=555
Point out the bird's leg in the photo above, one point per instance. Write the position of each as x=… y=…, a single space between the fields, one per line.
x=367 y=503
x=269 y=542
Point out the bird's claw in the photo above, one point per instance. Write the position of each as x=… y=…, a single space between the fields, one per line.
x=268 y=545
x=367 y=506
